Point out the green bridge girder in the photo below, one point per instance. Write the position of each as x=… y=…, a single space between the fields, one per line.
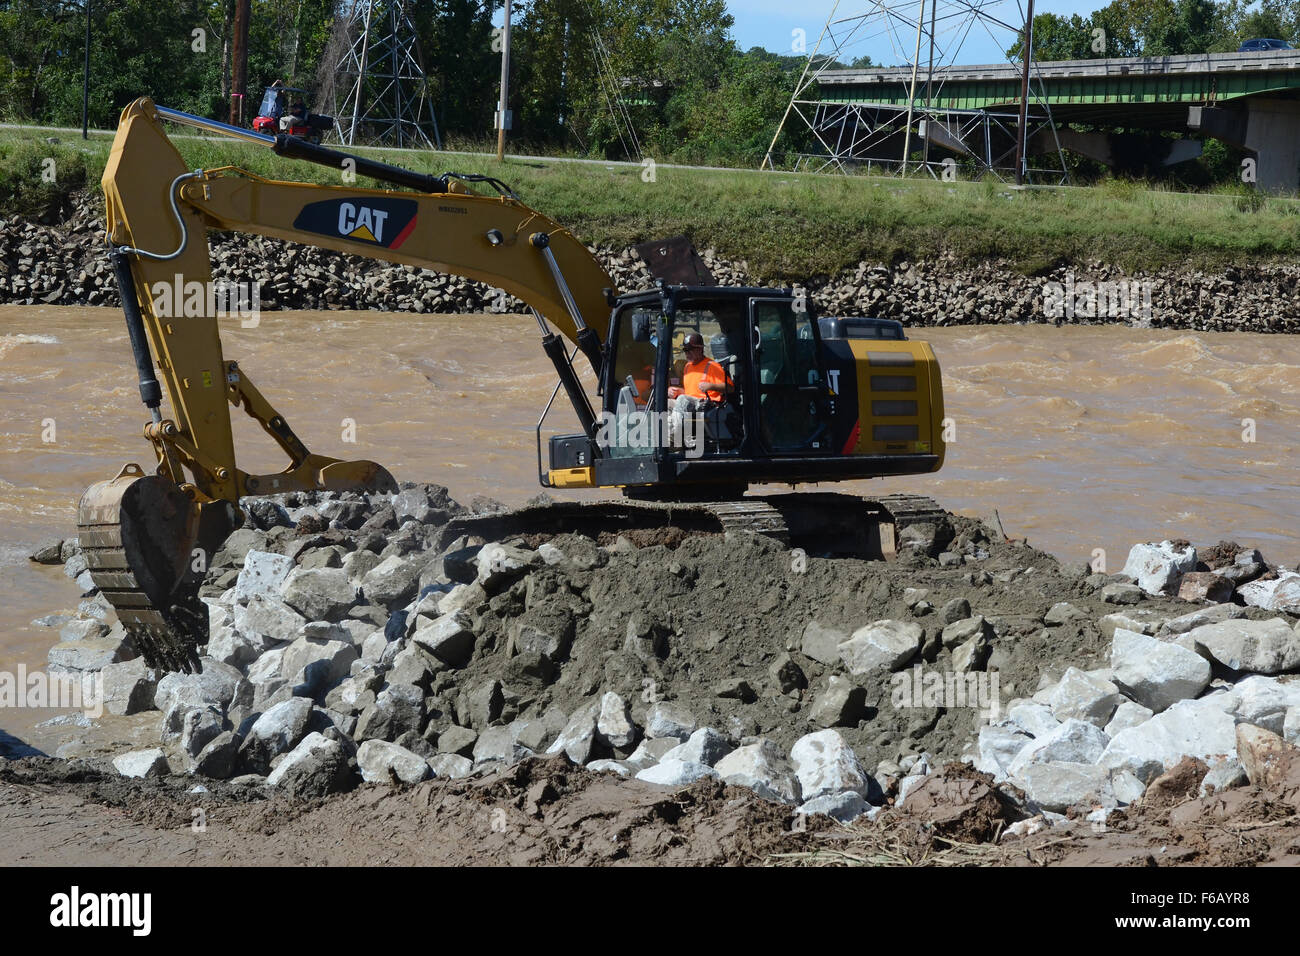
x=1134 y=89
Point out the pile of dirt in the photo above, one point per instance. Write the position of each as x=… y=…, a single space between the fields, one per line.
x=539 y=812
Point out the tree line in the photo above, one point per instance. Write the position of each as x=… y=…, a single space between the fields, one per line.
x=1125 y=28
x=603 y=78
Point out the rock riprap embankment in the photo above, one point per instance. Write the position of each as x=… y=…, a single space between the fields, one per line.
x=64 y=264
x=347 y=647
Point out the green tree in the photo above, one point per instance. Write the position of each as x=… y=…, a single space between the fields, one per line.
x=456 y=40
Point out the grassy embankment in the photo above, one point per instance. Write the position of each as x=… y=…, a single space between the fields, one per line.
x=786 y=226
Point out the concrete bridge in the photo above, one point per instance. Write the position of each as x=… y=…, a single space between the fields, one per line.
x=1251 y=100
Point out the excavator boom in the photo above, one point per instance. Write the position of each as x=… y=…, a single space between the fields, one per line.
x=148 y=537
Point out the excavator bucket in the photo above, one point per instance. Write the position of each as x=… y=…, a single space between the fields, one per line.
x=144 y=542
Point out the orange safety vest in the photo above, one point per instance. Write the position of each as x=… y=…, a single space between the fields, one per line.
x=695 y=374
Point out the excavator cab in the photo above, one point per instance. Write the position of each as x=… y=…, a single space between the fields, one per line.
x=776 y=403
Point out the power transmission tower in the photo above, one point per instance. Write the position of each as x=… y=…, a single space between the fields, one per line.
x=384 y=93
x=854 y=129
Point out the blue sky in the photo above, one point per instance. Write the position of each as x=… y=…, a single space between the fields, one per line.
x=770 y=24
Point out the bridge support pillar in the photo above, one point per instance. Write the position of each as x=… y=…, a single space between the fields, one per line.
x=1268 y=128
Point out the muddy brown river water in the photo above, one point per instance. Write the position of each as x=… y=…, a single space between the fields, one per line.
x=1081 y=437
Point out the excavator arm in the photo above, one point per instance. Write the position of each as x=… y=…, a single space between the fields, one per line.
x=148 y=537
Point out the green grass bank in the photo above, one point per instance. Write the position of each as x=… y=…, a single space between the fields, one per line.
x=786 y=226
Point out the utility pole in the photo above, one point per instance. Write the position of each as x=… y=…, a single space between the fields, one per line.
x=239 y=68
x=1022 y=134
x=503 y=115
x=911 y=94
x=85 y=82
x=929 y=88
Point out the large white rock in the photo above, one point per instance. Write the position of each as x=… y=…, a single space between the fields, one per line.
x=664 y=719
x=451 y=766
x=267 y=621
x=824 y=763
x=1075 y=741
x=614 y=725
x=1158 y=568
x=1280 y=594
x=319 y=664
x=1128 y=714
x=1033 y=718
x=267 y=666
x=319 y=594
x=1059 y=786
x=500 y=743
x=141 y=763
x=675 y=773
x=1262 y=647
x=263 y=575
x=1213 y=614
x=705 y=746
x=382 y=762
x=578 y=736
x=275 y=732
x=889 y=644
x=498 y=563
x=1189 y=728
x=1154 y=673
x=317 y=765
x=843 y=807
x=448 y=638
x=1083 y=696
x=1264 y=701
x=761 y=767
x=997 y=748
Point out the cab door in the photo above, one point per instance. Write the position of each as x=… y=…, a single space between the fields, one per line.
x=793 y=408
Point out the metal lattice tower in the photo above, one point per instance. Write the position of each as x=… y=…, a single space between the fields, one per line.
x=926 y=37
x=385 y=95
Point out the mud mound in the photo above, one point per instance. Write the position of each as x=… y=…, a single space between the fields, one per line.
x=962 y=804
x=539 y=812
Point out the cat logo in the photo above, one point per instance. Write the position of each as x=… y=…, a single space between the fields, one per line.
x=361 y=222
x=377 y=221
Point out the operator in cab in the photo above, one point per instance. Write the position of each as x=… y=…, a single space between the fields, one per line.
x=701 y=379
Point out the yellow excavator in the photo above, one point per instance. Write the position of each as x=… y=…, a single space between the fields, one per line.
x=798 y=399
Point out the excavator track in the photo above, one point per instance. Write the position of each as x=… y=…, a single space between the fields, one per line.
x=823 y=523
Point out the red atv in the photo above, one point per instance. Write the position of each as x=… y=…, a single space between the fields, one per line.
x=284 y=110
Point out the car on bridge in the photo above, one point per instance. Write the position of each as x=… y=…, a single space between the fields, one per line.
x=1258 y=45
